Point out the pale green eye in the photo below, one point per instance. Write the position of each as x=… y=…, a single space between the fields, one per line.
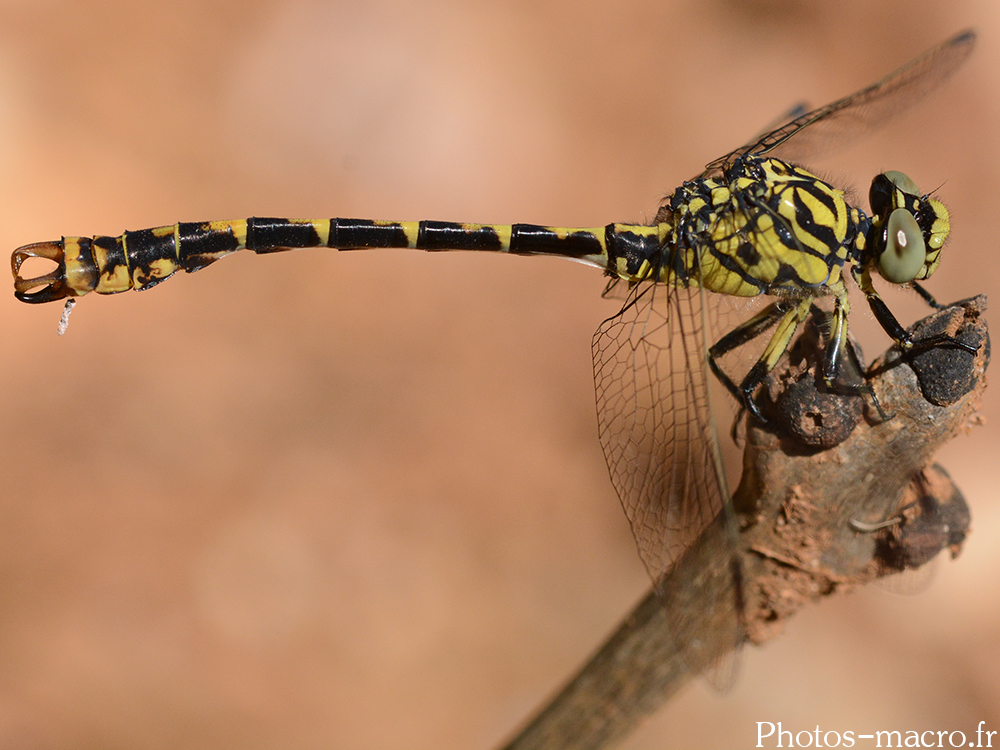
x=904 y=253
x=903 y=182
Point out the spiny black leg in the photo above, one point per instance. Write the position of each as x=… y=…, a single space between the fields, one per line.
x=743 y=334
x=749 y=386
x=865 y=387
x=926 y=296
x=839 y=346
x=722 y=376
x=905 y=342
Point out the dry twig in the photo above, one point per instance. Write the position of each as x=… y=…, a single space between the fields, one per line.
x=829 y=499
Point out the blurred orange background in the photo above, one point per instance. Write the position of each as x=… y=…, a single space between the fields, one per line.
x=357 y=500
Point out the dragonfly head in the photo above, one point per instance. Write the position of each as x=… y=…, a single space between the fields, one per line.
x=908 y=229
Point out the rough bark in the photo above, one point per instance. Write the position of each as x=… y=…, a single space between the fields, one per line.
x=832 y=496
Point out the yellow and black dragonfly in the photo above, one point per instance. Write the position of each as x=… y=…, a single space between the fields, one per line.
x=754 y=224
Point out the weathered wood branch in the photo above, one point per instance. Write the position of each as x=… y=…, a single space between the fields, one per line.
x=832 y=496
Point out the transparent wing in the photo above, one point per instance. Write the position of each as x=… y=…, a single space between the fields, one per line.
x=793 y=113
x=659 y=436
x=863 y=111
x=616 y=288
x=655 y=420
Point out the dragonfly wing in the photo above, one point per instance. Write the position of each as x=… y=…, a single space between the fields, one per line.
x=655 y=420
x=844 y=120
x=659 y=436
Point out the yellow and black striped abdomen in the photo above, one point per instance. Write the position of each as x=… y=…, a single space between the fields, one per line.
x=141 y=259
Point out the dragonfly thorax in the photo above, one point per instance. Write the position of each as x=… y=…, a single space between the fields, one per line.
x=764 y=227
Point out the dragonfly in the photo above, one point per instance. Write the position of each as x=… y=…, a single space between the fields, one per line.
x=754 y=224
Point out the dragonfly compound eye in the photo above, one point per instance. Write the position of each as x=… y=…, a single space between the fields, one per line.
x=903 y=257
x=891 y=190
x=903 y=182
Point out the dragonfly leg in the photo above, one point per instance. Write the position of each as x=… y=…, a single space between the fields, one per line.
x=892 y=327
x=926 y=296
x=840 y=345
x=787 y=320
x=743 y=333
